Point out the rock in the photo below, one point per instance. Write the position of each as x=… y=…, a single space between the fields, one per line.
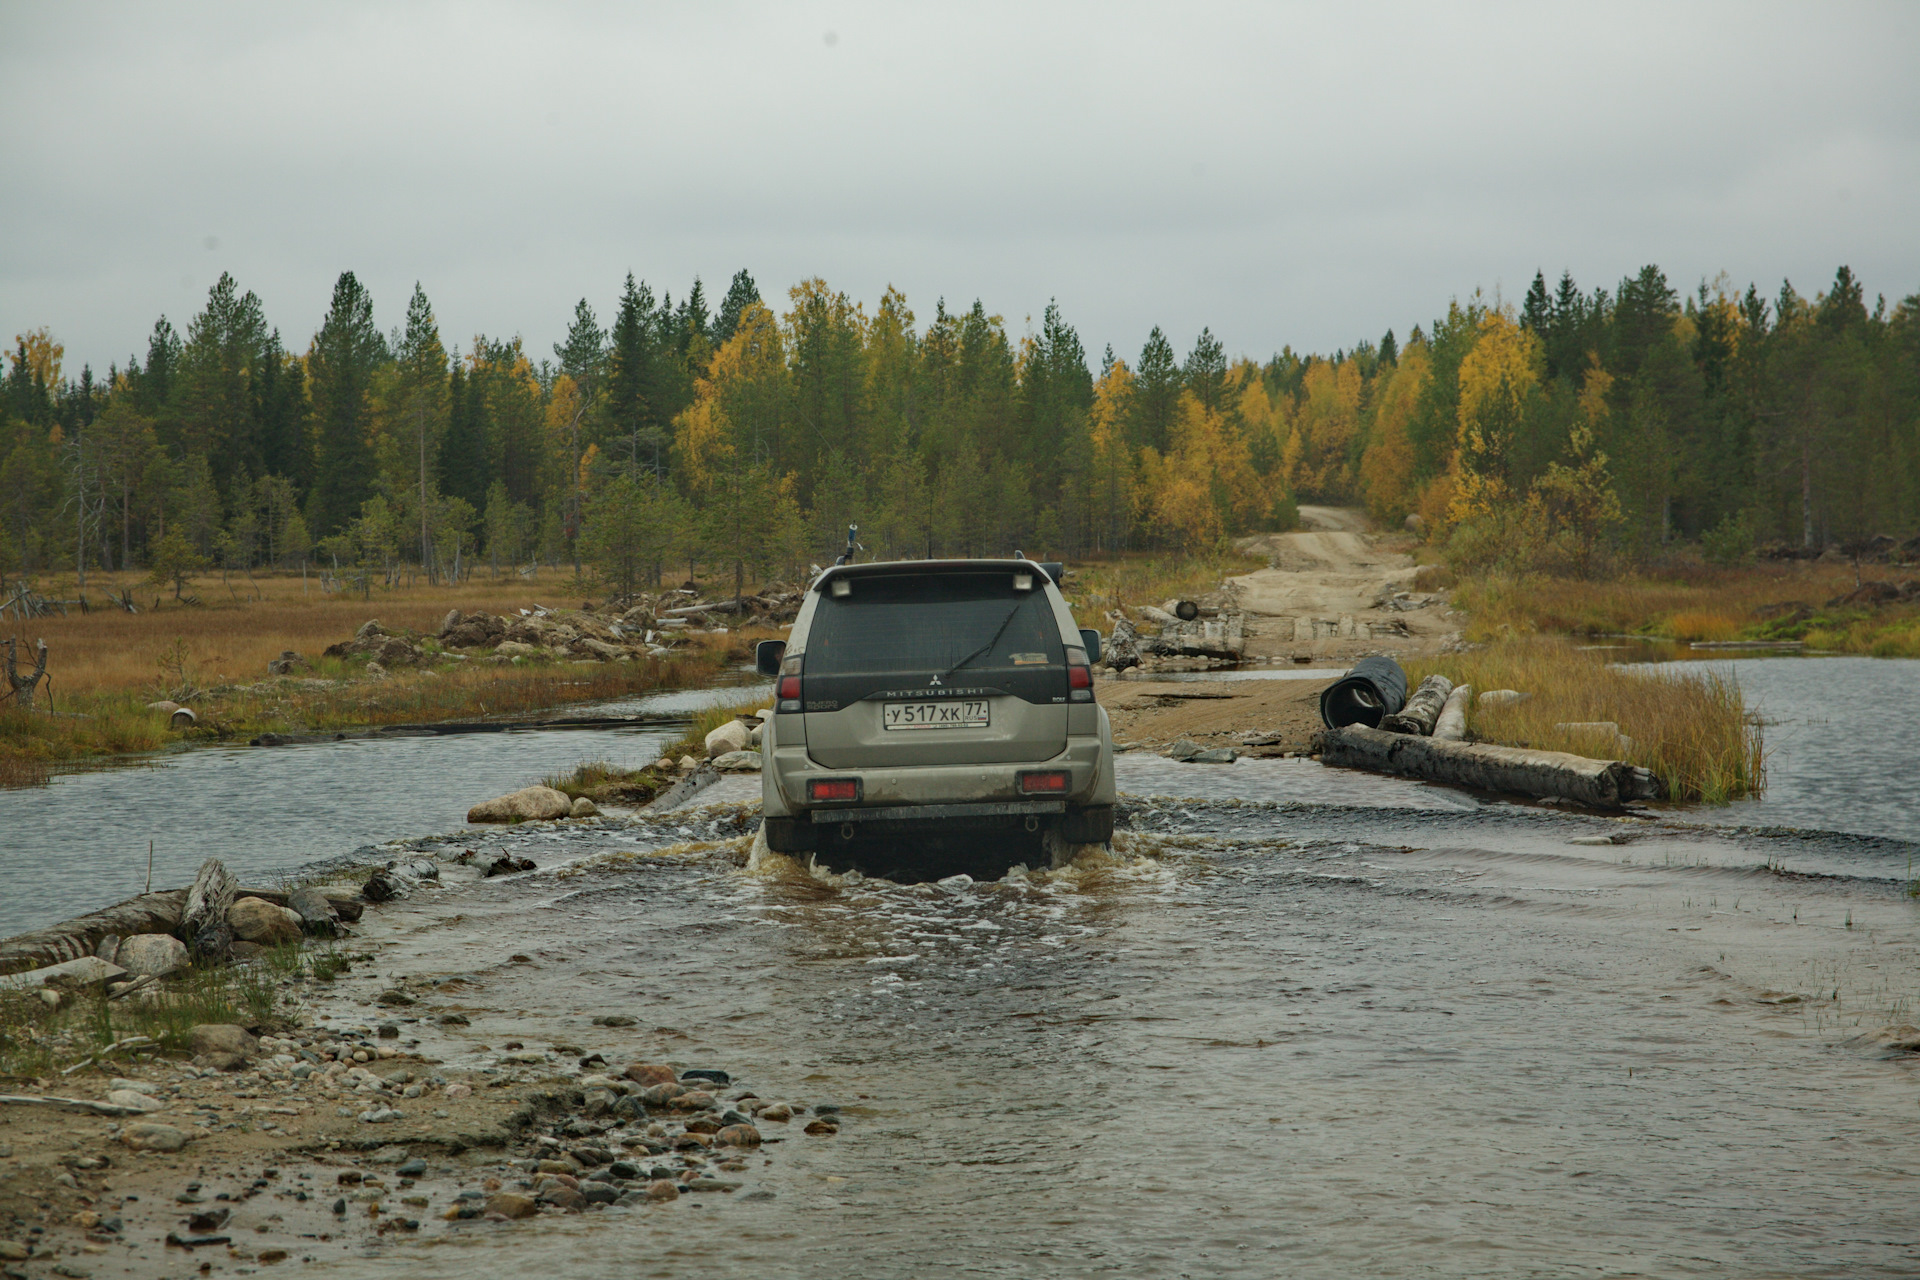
x=561 y=1196
x=223 y=1037
x=1501 y=697
x=661 y=1095
x=316 y=911
x=381 y=1115
x=584 y=808
x=508 y=1205
x=822 y=1127
x=516 y=649
x=1183 y=750
x=1218 y=755
x=711 y=1184
x=614 y=1020
x=14 y=1251
x=731 y=736
x=448 y=623
x=288 y=663
x=687 y=764
x=737 y=762
x=381 y=888
x=240 y=951
x=505 y=864
x=148 y=1136
x=661 y=1190
x=1904 y=1038
x=413 y=1168
x=87 y=971
x=1415 y=524
x=395 y=997
x=738 y=1135
x=388 y=1155
x=134 y=1098
x=779 y=1111
x=257 y=920
x=376 y=670
x=649 y=1073
x=526 y=804
x=453 y=1020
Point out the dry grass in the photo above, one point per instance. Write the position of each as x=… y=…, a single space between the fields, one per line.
x=1137 y=578
x=1785 y=601
x=1690 y=727
x=602 y=782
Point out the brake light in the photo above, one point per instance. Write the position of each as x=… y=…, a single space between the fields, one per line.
x=1054 y=782
x=833 y=789
x=1080 y=683
x=787 y=690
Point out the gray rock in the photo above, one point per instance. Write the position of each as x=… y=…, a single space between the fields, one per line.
x=730 y=737
x=153 y=955
x=389 y=1155
x=413 y=1168
x=381 y=1115
x=738 y=762
x=584 y=808
x=223 y=1037
x=316 y=911
x=87 y=971
x=1218 y=755
x=134 y=1098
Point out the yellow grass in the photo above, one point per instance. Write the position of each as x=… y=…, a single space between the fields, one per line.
x=1137 y=578
x=106 y=666
x=1702 y=624
x=1689 y=727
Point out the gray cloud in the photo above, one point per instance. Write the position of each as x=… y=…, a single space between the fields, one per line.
x=1286 y=175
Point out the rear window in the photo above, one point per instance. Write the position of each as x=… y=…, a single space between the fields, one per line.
x=933 y=623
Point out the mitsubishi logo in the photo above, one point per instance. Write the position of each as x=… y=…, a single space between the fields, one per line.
x=934 y=681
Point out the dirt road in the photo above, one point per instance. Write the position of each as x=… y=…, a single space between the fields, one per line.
x=1335 y=591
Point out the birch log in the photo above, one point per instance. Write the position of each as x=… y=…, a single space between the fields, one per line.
x=1603 y=784
x=1422 y=709
x=147 y=913
x=204 y=922
x=1452 y=724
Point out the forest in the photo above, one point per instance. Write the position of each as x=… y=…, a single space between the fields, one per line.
x=1577 y=433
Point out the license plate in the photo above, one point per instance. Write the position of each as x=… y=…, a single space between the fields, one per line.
x=935 y=715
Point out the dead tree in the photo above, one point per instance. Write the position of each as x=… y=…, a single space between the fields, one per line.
x=22 y=687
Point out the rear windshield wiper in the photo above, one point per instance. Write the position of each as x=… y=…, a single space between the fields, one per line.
x=987 y=647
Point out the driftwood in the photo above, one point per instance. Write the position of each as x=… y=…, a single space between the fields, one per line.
x=1452 y=724
x=203 y=924
x=1422 y=709
x=84 y=1105
x=20 y=686
x=1602 y=784
x=147 y=913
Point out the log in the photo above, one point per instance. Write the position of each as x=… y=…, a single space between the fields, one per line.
x=203 y=924
x=1452 y=724
x=71 y=939
x=86 y=1106
x=1602 y=784
x=1422 y=709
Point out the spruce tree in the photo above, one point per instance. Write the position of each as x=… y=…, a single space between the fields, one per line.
x=741 y=294
x=343 y=358
x=1157 y=393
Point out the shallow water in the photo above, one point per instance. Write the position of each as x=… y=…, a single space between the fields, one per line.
x=1268 y=1039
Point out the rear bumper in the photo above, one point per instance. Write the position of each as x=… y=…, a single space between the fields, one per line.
x=832 y=828
x=1087 y=760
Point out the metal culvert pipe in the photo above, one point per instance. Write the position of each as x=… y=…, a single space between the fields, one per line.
x=1375 y=689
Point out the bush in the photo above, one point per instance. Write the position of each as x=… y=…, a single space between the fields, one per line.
x=1730 y=542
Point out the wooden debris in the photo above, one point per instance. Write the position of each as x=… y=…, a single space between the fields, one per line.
x=1601 y=784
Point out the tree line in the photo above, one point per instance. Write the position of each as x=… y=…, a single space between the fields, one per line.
x=1580 y=428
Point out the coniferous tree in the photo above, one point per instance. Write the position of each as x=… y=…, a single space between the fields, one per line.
x=741 y=294
x=342 y=361
x=1156 y=391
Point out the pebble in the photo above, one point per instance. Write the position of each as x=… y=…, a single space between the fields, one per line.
x=661 y=1190
x=508 y=1205
x=779 y=1111
x=822 y=1128
x=381 y=1115
x=153 y=1137
x=738 y=1135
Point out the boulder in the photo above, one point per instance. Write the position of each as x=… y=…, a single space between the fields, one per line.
x=509 y=1205
x=652 y=1073
x=316 y=911
x=259 y=921
x=601 y=649
x=731 y=736
x=152 y=955
x=223 y=1039
x=519 y=649
x=584 y=808
x=394 y=652
x=166 y=706
x=135 y=1100
x=448 y=623
x=288 y=663
x=148 y=1136
x=737 y=762
x=526 y=804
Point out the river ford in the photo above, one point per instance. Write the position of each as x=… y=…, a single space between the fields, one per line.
x=1304 y=1022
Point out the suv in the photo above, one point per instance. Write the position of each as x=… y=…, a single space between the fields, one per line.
x=934 y=714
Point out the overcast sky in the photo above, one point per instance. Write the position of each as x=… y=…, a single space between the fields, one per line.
x=1306 y=175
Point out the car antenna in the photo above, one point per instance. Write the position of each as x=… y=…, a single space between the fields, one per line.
x=853 y=545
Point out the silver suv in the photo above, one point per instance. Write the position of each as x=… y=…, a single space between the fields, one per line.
x=936 y=715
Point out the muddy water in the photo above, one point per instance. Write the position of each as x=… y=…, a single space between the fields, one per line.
x=1299 y=1038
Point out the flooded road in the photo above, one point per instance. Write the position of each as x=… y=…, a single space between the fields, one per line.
x=1263 y=1039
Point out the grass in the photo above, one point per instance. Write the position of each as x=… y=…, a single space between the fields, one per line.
x=38 y=1040
x=1786 y=601
x=107 y=665
x=1136 y=578
x=604 y=783
x=1691 y=728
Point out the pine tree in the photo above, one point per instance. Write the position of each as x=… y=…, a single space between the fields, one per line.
x=342 y=361
x=1156 y=391
x=464 y=472
x=630 y=378
x=1389 y=351
x=741 y=294
x=1205 y=373
x=1536 y=314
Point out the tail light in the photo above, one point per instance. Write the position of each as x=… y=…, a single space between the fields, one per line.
x=833 y=789
x=1079 y=676
x=1053 y=782
x=787 y=689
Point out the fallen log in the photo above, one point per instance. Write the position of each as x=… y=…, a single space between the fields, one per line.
x=1601 y=784
x=71 y=939
x=1422 y=709
x=1452 y=724
x=86 y=1106
x=203 y=924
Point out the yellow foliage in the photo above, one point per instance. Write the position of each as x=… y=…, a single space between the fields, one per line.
x=1205 y=487
x=43 y=353
x=1386 y=469
x=1325 y=421
x=1112 y=466
x=735 y=409
x=1495 y=378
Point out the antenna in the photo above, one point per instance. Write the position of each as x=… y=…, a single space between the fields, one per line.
x=853 y=545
